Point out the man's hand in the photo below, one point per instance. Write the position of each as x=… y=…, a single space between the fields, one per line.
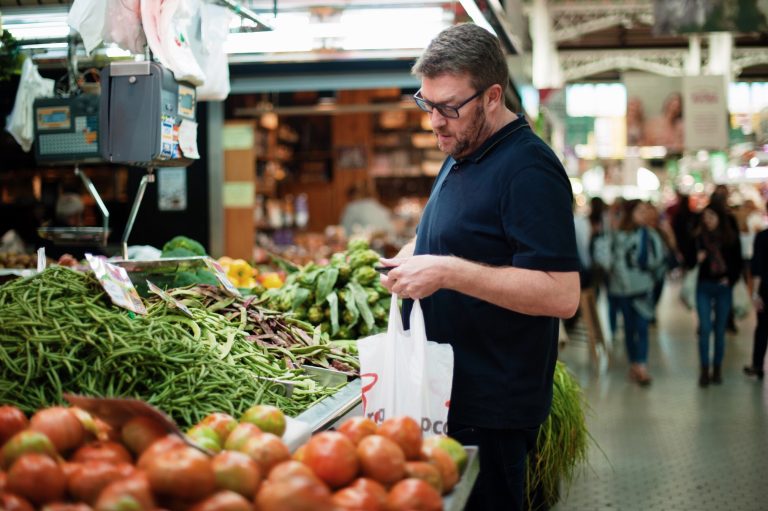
x=415 y=277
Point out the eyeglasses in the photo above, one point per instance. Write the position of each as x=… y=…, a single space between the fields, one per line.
x=449 y=111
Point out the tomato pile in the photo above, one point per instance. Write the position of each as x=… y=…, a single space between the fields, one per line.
x=63 y=459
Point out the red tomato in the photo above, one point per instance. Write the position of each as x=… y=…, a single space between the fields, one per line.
x=181 y=472
x=381 y=459
x=267 y=450
x=414 y=495
x=449 y=471
x=108 y=451
x=332 y=457
x=426 y=472
x=11 y=502
x=86 y=480
x=164 y=444
x=37 y=478
x=353 y=499
x=298 y=493
x=288 y=469
x=357 y=428
x=132 y=493
x=222 y=424
x=26 y=442
x=12 y=420
x=236 y=472
x=406 y=433
x=3 y=479
x=223 y=501
x=371 y=487
x=268 y=418
x=141 y=432
x=60 y=425
x=66 y=506
x=239 y=436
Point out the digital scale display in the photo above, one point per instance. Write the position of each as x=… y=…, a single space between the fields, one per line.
x=54 y=118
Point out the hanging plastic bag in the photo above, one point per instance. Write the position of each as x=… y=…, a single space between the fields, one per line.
x=21 y=122
x=688 y=287
x=209 y=50
x=122 y=25
x=742 y=304
x=403 y=373
x=88 y=18
x=168 y=25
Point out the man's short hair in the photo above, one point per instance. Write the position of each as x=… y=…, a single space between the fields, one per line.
x=465 y=49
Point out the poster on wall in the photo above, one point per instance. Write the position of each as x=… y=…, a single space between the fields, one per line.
x=689 y=16
x=654 y=111
x=706 y=112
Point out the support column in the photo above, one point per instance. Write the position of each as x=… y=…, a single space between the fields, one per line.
x=693 y=60
x=721 y=55
x=547 y=73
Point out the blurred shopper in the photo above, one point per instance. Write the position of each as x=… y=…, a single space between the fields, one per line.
x=659 y=223
x=494 y=263
x=717 y=252
x=635 y=255
x=364 y=213
x=760 y=299
x=684 y=223
x=718 y=201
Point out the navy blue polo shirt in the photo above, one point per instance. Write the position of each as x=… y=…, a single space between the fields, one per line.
x=507 y=204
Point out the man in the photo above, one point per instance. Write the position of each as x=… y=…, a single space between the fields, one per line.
x=494 y=261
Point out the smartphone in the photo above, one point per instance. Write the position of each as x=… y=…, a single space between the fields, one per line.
x=383 y=269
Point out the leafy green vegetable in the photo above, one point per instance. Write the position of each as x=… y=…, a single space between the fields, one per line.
x=186 y=243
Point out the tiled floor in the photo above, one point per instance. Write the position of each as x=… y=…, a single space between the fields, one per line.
x=672 y=446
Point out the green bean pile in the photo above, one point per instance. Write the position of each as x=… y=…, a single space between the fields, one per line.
x=59 y=333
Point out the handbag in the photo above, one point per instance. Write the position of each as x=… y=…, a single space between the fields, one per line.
x=688 y=287
x=403 y=373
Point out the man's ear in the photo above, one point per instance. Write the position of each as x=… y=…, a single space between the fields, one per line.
x=495 y=97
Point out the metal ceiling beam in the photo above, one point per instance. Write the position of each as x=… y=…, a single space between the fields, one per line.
x=581 y=64
x=572 y=20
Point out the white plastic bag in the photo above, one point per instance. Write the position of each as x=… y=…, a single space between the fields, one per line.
x=209 y=50
x=88 y=18
x=742 y=304
x=122 y=25
x=168 y=25
x=21 y=122
x=403 y=373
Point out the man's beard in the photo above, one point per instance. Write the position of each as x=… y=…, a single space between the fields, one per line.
x=468 y=139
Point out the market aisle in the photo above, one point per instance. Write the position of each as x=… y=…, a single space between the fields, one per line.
x=673 y=446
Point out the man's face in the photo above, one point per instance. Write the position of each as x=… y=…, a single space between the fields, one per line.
x=457 y=137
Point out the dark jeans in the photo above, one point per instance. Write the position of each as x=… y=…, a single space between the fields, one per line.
x=635 y=330
x=503 y=453
x=760 y=341
x=718 y=297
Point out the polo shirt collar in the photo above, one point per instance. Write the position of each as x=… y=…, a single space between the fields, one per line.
x=495 y=139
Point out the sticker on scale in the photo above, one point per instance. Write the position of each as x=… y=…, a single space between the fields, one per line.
x=168 y=137
x=115 y=281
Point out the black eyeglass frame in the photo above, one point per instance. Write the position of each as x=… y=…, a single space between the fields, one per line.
x=447 y=111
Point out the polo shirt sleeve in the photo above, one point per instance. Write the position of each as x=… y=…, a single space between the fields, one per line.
x=538 y=220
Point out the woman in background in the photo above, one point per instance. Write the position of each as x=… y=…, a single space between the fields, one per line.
x=717 y=251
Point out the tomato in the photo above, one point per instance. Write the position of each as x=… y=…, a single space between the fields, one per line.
x=452 y=446
x=12 y=420
x=381 y=459
x=108 y=451
x=37 y=478
x=25 y=442
x=223 y=501
x=406 y=433
x=426 y=472
x=353 y=499
x=141 y=432
x=11 y=502
x=449 y=472
x=205 y=436
x=298 y=493
x=414 y=495
x=164 y=444
x=222 y=424
x=181 y=472
x=66 y=506
x=86 y=480
x=371 y=487
x=288 y=469
x=3 y=479
x=332 y=457
x=267 y=450
x=358 y=427
x=268 y=418
x=130 y=494
x=60 y=425
x=236 y=472
x=240 y=436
